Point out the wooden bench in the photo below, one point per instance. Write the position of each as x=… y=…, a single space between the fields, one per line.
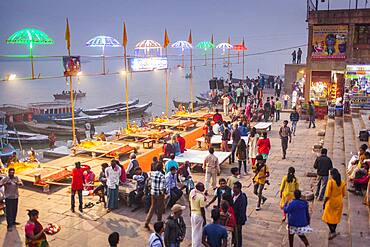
x=185 y=125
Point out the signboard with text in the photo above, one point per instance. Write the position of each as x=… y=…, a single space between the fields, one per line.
x=329 y=42
x=138 y=64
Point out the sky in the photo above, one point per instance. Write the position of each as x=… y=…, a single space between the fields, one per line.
x=265 y=24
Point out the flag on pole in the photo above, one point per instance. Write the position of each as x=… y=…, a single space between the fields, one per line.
x=190 y=39
x=124 y=38
x=68 y=36
x=212 y=41
x=166 y=39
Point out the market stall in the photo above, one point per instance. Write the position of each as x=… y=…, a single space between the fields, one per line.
x=358 y=86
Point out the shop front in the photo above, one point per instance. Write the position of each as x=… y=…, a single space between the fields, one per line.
x=357 y=86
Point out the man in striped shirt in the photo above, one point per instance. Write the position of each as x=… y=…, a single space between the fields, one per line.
x=158 y=195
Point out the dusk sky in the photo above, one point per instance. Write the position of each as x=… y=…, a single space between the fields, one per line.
x=265 y=24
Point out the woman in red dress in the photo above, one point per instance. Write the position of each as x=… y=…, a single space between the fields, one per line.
x=35 y=236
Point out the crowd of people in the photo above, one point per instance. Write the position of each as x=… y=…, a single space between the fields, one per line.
x=169 y=183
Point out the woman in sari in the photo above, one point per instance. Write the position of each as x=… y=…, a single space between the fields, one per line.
x=333 y=204
x=35 y=236
x=287 y=188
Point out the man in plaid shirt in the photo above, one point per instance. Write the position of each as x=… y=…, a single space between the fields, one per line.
x=158 y=195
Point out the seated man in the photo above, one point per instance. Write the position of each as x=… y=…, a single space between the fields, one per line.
x=89 y=178
x=136 y=196
x=185 y=177
x=13 y=159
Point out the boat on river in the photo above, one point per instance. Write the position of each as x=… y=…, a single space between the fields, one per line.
x=134 y=109
x=48 y=111
x=14 y=137
x=113 y=107
x=81 y=120
x=46 y=129
x=65 y=95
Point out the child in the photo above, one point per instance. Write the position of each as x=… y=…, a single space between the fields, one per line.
x=234 y=177
x=156 y=239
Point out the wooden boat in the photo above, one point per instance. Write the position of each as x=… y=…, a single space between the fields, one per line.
x=81 y=120
x=196 y=104
x=117 y=106
x=48 y=111
x=135 y=109
x=16 y=115
x=66 y=95
x=46 y=129
x=15 y=137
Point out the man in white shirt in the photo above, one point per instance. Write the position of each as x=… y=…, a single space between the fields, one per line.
x=112 y=173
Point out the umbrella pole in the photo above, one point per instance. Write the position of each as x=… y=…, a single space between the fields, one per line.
x=182 y=62
x=103 y=61
x=205 y=58
x=126 y=85
x=31 y=58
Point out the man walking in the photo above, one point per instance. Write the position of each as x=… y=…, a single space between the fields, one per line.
x=259 y=180
x=77 y=184
x=294 y=118
x=113 y=174
x=240 y=209
x=278 y=108
x=239 y=96
x=235 y=136
x=171 y=187
x=212 y=169
x=157 y=195
x=323 y=165
x=311 y=114
x=285 y=134
x=267 y=109
x=197 y=203
x=11 y=184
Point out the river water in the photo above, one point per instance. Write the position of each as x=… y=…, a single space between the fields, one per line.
x=103 y=90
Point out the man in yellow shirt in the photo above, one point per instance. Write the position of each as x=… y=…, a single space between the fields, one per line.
x=259 y=180
x=278 y=108
x=197 y=203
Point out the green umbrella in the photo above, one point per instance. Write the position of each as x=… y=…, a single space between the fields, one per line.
x=205 y=45
x=30 y=37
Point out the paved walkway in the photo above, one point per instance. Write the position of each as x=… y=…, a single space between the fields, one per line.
x=264 y=228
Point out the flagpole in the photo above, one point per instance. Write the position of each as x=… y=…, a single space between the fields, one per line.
x=228 y=56
x=212 y=58
x=243 y=61
x=68 y=38
x=124 y=42
x=166 y=84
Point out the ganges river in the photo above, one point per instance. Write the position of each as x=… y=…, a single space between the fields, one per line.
x=104 y=90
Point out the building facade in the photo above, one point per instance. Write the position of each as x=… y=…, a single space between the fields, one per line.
x=338 y=54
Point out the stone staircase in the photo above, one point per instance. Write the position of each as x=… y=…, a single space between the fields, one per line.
x=358 y=214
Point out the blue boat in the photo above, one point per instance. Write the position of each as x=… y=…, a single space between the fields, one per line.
x=48 y=111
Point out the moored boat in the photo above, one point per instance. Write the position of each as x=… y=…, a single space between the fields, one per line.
x=116 y=106
x=15 y=137
x=135 y=109
x=196 y=104
x=16 y=115
x=65 y=95
x=46 y=129
x=81 y=120
x=48 y=111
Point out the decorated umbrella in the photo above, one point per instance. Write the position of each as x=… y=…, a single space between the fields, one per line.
x=147 y=46
x=103 y=41
x=183 y=45
x=205 y=45
x=30 y=37
x=224 y=46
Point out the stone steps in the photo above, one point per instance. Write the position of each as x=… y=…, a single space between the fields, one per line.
x=358 y=214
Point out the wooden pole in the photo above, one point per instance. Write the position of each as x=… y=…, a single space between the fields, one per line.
x=126 y=86
x=72 y=105
x=191 y=81
x=166 y=86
